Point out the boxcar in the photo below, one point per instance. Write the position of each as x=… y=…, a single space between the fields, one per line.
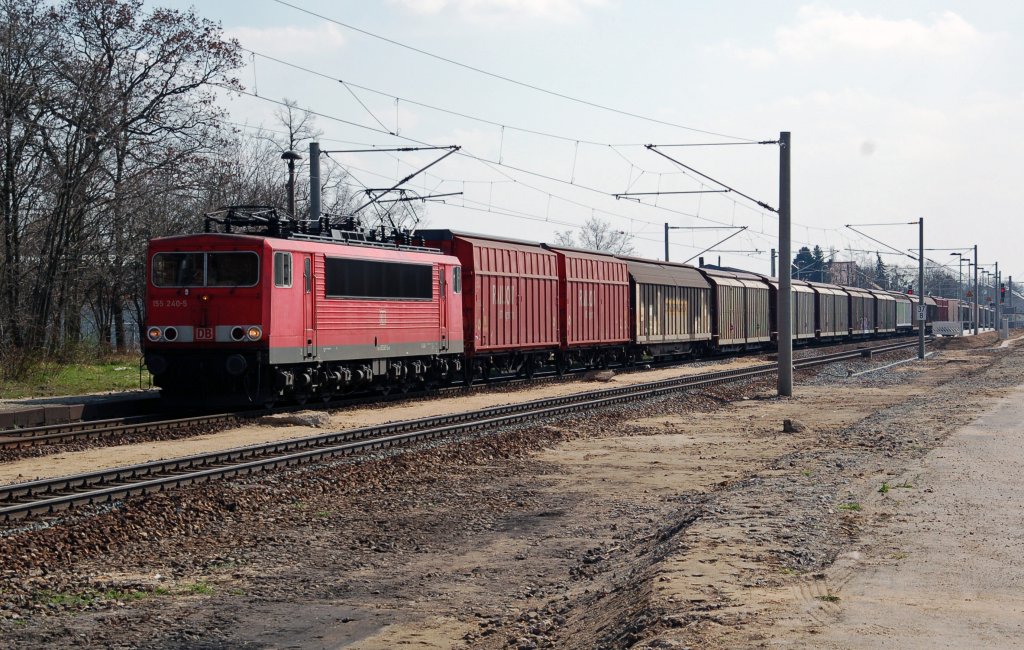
x=832 y=311
x=670 y=308
x=510 y=300
x=885 y=311
x=740 y=315
x=904 y=311
x=931 y=312
x=862 y=312
x=593 y=313
x=948 y=309
x=803 y=308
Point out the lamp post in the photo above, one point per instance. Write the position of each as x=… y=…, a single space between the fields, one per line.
x=291 y=157
x=984 y=283
x=970 y=317
x=959 y=276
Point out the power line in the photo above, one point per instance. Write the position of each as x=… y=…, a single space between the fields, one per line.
x=348 y=85
x=495 y=165
x=508 y=79
x=613 y=147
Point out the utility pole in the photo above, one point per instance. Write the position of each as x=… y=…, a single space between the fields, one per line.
x=666 y=242
x=291 y=157
x=976 y=314
x=314 y=187
x=773 y=262
x=920 y=293
x=995 y=299
x=784 y=311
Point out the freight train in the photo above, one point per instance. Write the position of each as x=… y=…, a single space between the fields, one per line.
x=254 y=310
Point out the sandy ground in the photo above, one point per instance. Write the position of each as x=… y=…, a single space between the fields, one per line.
x=951 y=569
x=68 y=463
x=686 y=522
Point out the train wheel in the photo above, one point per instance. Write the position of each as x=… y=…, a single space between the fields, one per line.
x=561 y=367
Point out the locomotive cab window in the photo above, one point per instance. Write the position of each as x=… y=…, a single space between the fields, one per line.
x=241 y=269
x=179 y=270
x=282 y=269
x=348 y=278
x=457 y=279
x=227 y=269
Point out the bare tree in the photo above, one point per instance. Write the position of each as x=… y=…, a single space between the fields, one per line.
x=98 y=99
x=598 y=235
x=25 y=38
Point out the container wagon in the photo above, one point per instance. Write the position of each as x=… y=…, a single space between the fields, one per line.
x=832 y=311
x=885 y=312
x=593 y=314
x=740 y=314
x=670 y=309
x=862 y=312
x=904 y=312
x=510 y=301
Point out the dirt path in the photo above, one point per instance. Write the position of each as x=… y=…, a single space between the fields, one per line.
x=73 y=462
x=686 y=521
x=947 y=570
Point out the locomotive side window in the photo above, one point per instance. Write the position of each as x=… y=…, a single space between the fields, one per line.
x=348 y=278
x=282 y=269
x=457 y=279
x=178 y=270
x=240 y=269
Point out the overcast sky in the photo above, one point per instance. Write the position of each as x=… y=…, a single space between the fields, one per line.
x=898 y=110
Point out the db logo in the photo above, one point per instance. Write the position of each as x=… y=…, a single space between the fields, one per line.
x=204 y=333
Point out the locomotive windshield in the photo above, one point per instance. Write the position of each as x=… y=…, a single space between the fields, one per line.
x=215 y=269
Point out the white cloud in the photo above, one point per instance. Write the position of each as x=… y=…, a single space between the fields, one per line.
x=498 y=10
x=820 y=32
x=281 y=41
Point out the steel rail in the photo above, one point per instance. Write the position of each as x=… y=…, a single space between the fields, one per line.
x=90 y=429
x=39 y=436
x=50 y=495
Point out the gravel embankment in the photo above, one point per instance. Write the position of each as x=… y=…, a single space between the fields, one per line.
x=499 y=537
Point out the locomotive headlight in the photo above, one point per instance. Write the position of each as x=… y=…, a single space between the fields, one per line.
x=255 y=333
x=153 y=333
x=237 y=333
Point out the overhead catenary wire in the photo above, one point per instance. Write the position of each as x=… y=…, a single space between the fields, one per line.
x=654 y=148
x=879 y=241
x=497 y=168
x=502 y=125
x=614 y=147
x=507 y=79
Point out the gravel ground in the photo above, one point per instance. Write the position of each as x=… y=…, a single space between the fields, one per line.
x=504 y=540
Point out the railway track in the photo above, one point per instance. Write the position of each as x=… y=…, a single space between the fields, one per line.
x=57 y=434
x=48 y=496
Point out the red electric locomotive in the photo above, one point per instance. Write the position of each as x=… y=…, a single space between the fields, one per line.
x=284 y=314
